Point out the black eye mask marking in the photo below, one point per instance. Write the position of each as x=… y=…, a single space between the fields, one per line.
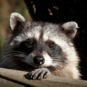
x=54 y=50
x=26 y=46
x=29 y=43
x=50 y=44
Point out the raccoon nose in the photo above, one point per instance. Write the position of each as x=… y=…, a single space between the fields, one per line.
x=39 y=60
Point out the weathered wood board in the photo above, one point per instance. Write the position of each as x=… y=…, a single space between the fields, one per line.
x=17 y=78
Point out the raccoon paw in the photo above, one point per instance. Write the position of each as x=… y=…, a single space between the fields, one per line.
x=39 y=73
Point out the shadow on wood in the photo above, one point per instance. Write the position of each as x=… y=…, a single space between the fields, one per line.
x=17 y=78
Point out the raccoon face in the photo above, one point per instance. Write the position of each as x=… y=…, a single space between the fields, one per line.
x=41 y=44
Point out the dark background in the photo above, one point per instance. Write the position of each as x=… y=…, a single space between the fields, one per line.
x=56 y=11
x=60 y=11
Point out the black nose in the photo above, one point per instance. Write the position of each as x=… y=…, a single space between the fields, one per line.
x=39 y=60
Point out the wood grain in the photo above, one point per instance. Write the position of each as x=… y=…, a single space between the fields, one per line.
x=22 y=78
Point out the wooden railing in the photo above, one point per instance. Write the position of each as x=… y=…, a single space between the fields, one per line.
x=15 y=78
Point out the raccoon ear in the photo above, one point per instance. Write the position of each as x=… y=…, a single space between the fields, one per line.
x=70 y=29
x=15 y=19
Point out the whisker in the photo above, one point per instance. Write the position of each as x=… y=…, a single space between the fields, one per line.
x=14 y=52
x=16 y=64
x=14 y=55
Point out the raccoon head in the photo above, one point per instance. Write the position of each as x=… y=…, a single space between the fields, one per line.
x=40 y=44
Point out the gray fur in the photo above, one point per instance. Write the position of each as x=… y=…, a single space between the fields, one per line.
x=61 y=59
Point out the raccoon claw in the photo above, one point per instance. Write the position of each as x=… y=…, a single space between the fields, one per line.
x=39 y=73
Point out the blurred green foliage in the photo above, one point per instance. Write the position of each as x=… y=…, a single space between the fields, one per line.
x=6 y=8
x=1 y=44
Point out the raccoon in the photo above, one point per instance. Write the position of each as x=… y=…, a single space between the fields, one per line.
x=41 y=48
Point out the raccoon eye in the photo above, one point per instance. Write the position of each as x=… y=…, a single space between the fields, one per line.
x=52 y=45
x=29 y=43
